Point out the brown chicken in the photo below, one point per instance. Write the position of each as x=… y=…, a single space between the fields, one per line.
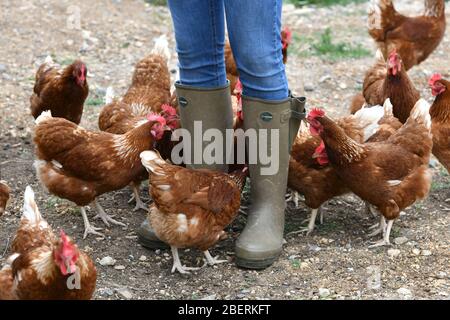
x=390 y=175
x=149 y=92
x=230 y=63
x=80 y=165
x=60 y=90
x=440 y=119
x=390 y=80
x=415 y=38
x=309 y=172
x=4 y=196
x=150 y=86
x=191 y=207
x=43 y=266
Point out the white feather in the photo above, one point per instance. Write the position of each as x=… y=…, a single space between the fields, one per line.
x=109 y=95
x=151 y=160
x=162 y=47
x=43 y=116
x=30 y=209
x=421 y=113
x=388 y=108
x=48 y=60
x=368 y=118
x=393 y=183
x=379 y=55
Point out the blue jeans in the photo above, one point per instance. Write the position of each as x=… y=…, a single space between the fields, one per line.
x=254 y=28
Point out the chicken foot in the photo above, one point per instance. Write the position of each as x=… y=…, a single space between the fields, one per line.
x=386 y=235
x=136 y=197
x=378 y=228
x=212 y=260
x=177 y=266
x=370 y=210
x=88 y=228
x=294 y=197
x=105 y=217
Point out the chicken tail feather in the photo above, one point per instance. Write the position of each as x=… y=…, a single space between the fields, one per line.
x=421 y=113
x=152 y=161
x=162 y=47
x=30 y=208
x=44 y=116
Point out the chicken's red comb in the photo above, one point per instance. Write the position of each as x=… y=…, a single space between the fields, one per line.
x=169 y=110
x=316 y=112
x=435 y=77
x=288 y=34
x=393 y=54
x=320 y=148
x=156 y=117
x=238 y=86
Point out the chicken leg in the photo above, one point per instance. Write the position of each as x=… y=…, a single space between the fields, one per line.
x=212 y=260
x=88 y=228
x=386 y=235
x=370 y=210
x=378 y=228
x=136 y=197
x=104 y=216
x=177 y=266
x=294 y=197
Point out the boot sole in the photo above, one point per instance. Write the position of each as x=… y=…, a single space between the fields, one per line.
x=152 y=244
x=255 y=264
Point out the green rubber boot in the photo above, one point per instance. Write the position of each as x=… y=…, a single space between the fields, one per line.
x=260 y=243
x=213 y=108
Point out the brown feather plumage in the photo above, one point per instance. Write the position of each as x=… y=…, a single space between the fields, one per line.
x=56 y=90
x=415 y=38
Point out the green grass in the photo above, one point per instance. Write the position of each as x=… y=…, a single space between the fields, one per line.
x=322 y=3
x=94 y=101
x=334 y=51
x=52 y=202
x=295 y=263
x=323 y=45
x=157 y=2
x=440 y=185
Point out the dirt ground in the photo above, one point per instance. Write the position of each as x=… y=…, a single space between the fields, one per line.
x=333 y=263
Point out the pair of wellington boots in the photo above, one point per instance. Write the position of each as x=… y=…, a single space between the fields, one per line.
x=260 y=243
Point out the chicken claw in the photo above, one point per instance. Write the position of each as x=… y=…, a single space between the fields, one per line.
x=177 y=266
x=105 y=217
x=386 y=234
x=136 y=197
x=88 y=228
x=212 y=260
x=294 y=197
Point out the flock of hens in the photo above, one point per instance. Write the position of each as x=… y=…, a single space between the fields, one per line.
x=380 y=153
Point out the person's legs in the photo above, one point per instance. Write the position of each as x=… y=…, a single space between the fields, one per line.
x=200 y=34
x=203 y=91
x=254 y=29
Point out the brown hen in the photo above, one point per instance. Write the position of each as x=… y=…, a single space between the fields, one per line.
x=191 y=207
x=60 y=90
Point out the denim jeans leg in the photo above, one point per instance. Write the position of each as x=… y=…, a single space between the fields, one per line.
x=254 y=28
x=200 y=36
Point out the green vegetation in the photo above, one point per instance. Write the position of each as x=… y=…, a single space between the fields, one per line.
x=94 y=101
x=323 y=45
x=52 y=202
x=322 y=3
x=157 y=2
